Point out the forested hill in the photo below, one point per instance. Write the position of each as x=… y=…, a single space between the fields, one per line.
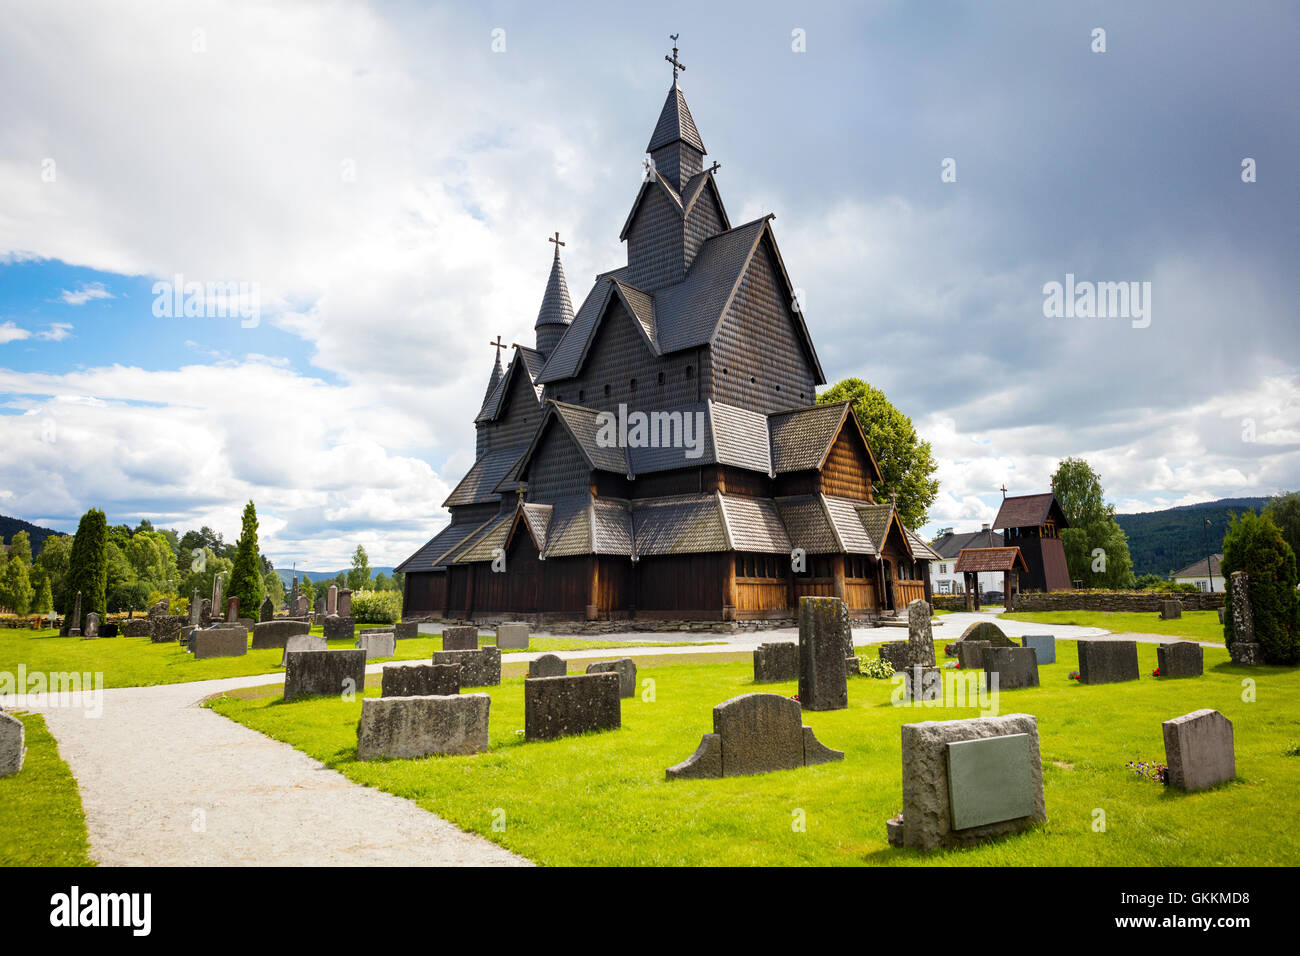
x=1169 y=540
x=11 y=526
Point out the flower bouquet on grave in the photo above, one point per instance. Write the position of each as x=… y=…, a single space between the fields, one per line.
x=1156 y=672
x=1151 y=771
x=1074 y=675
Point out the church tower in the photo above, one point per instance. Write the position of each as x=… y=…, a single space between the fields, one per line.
x=556 y=313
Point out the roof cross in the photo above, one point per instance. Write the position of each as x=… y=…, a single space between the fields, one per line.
x=1003 y=489
x=557 y=242
x=499 y=345
x=715 y=167
x=677 y=64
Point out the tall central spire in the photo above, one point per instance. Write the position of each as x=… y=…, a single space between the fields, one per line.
x=675 y=146
x=556 y=313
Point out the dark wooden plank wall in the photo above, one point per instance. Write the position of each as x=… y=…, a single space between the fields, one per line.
x=558 y=469
x=847 y=471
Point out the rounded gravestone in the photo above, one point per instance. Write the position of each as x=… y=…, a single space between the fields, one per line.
x=987 y=631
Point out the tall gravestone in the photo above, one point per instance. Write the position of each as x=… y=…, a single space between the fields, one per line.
x=920 y=638
x=1244 y=648
x=267 y=612
x=74 y=628
x=823 y=682
x=92 y=627
x=345 y=602
x=196 y=608
x=332 y=600
x=216 y=594
x=232 y=609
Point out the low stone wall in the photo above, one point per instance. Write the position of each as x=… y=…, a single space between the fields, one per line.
x=1114 y=601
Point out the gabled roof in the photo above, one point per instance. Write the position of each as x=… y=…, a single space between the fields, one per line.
x=808 y=524
x=990 y=559
x=583 y=426
x=432 y=551
x=802 y=438
x=879 y=520
x=1199 y=570
x=479 y=484
x=484 y=543
x=849 y=526
x=920 y=550
x=1029 y=511
x=679 y=525
x=524 y=361
x=950 y=545
x=682 y=203
x=675 y=123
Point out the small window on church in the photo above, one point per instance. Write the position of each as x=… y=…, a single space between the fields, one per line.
x=724 y=371
x=661 y=378
x=581 y=394
x=688 y=371
x=752 y=380
x=632 y=385
x=778 y=388
x=607 y=391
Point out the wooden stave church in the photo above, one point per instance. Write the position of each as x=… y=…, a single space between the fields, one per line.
x=550 y=524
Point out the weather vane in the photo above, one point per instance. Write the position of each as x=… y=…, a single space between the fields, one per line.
x=677 y=65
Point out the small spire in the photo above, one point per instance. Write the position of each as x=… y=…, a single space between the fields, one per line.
x=496 y=368
x=557 y=307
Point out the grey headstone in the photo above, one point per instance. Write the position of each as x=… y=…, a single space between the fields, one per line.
x=219 y=642
x=927 y=801
x=1015 y=667
x=920 y=637
x=332 y=600
x=12 y=751
x=196 y=607
x=625 y=668
x=405 y=630
x=922 y=683
x=460 y=638
x=575 y=704
x=548 y=665
x=990 y=780
x=338 y=628
x=91 y=630
x=1199 y=750
x=512 y=636
x=705 y=763
x=480 y=668
x=377 y=643
x=345 y=602
x=823 y=684
x=1244 y=653
x=324 y=673
x=895 y=652
x=267 y=611
x=1044 y=645
x=1170 y=610
x=420 y=680
x=970 y=654
x=407 y=727
x=1180 y=659
x=302 y=642
x=269 y=634
x=986 y=631
x=1107 y=662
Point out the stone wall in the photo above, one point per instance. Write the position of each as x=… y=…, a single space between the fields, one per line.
x=1112 y=601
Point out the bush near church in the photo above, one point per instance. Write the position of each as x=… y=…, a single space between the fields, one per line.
x=376 y=607
x=1254 y=544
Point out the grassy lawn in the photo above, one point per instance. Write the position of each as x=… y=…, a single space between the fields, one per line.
x=135 y=662
x=42 y=823
x=603 y=799
x=1193 y=625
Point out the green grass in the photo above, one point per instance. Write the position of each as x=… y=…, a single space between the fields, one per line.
x=42 y=823
x=135 y=662
x=603 y=799
x=1193 y=625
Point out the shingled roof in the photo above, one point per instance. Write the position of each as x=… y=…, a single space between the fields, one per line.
x=675 y=123
x=989 y=559
x=432 y=551
x=949 y=545
x=556 y=308
x=479 y=484
x=1028 y=511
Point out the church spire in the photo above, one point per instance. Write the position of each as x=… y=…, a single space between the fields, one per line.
x=675 y=145
x=496 y=369
x=556 y=313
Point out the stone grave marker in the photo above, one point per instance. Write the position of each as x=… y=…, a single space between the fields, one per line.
x=895 y=652
x=986 y=631
x=232 y=609
x=1106 y=662
x=575 y=704
x=625 y=668
x=332 y=600
x=92 y=627
x=405 y=630
x=512 y=636
x=1170 y=609
x=754 y=733
x=1244 y=649
x=420 y=680
x=1180 y=659
x=479 y=668
x=345 y=602
x=1011 y=667
x=1044 y=645
x=407 y=727
x=339 y=628
x=548 y=665
x=776 y=663
x=302 y=642
x=920 y=637
x=922 y=683
x=269 y=634
x=377 y=643
x=1199 y=750
x=267 y=610
x=324 y=673
x=219 y=642
x=823 y=683
x=970 y=654
x=460 y=638
x=12 y=737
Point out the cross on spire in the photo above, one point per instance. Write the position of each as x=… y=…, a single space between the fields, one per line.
x=557 y=242
x=1003 y=489
x=499 y=346
x=677 y=64
x=715 y=167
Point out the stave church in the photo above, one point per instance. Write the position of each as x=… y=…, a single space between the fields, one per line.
x=659 y=455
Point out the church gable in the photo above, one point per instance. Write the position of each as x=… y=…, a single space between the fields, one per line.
x=518 y=415
x=761 y=358
x=848 y=469
x=557 y=468
x=704 y=219
x=656 y=255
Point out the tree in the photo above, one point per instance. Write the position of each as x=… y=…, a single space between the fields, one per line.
x=399 y=581
x=44 y=597
x=359 y=576
x=246 y=575
x=906 y=462
x=307 y=588
x=16 y=591
x=382 y=582
x=1254 y=544
x=53 y=564
x=1093 y=528
x=202 y=569
x=1284 y=509
x=273 y=587
x=20 y=546
x=88 y=567
x=124 y=589
x=151 y=557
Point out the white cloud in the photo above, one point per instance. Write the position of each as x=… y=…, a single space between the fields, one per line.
x=85 y=292
x=56 y=332
x=9 y=332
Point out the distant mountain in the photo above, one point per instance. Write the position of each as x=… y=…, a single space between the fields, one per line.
x=287 y=575
x=11 y=526
x=1165 y=541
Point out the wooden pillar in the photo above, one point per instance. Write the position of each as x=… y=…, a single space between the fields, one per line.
x=1007 y=600
x=593 y=588
x=927 y=584
x=837 y=573
x=729 y=590
x=469 y=592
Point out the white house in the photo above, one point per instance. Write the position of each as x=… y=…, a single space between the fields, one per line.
x=943 y=580
x=1206 y=580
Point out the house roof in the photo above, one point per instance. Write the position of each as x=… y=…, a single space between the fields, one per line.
x=1029 y=511
x=950 y=545
x=990 y=559
x=1199 y=569
x=920 y=550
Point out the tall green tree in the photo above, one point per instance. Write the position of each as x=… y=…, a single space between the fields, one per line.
x=124 y=588
x=44 y=597
x=88 y=567
x=274 y=587
x=246 y=575
x=906 y=462
x=1283 y=510
x=1254 y=544
x=359 y=576
x=20 y=546
x=53 y=563
x=1096 y=548
x=16 y=590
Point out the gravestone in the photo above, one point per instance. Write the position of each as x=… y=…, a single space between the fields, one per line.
x=575 y=704
x=1170 y=609
x=970 y=654
x=205 y=613
x=986 y=631
x=339 y=628
x=324 y=673
x=1044 y=645
x=219 y=642
x=776 y=663
x=920 y=638
x=823 y=684
x=1220 y=615
x=92 y=627
x=268 y=609
x=108 y=629
x=320 y=605
x=216 y=593
x=196 y=608
x=1246 y=653
x=377 y=644
x=269 y=634
x=420 y=680
x=512 y=636
x=302 y=642
x=163 y=627
x=1014 y=667
x=405 y=630
x=12 y=751
x=895 y=652
x=407 y=727
x=1199 y=750
x=922 y=683
x=332 y=600
x=74 y=623
x=301 y=606
x=1180 y=659
x=966 y=782
x=754 y=733
x=461 y=638
x=480 y=668
x=345 y=602
x=1107 y=662
x=1243 y=649
x=548 y=665
x=232 y=609
x=624 y=668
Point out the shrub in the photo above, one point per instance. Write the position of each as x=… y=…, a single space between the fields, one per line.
x=376 y=607
x=876 y=667
x=1255 y=545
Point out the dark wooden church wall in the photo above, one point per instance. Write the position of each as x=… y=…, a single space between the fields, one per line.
x=847 y=473
x=523 y=413
x=558 y=469
x=758 y=341
x=703 y=222
x=687 y=585
x=562 y=586
x=423 y=593
x=654 y=243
